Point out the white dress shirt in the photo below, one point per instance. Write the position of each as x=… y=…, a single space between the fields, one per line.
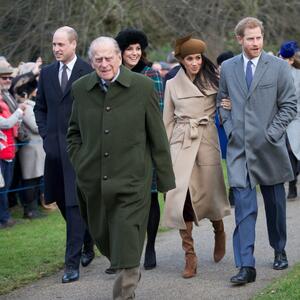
x=253 y=65
x=70 y=67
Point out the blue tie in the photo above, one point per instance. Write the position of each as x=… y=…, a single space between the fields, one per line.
x=249 y=75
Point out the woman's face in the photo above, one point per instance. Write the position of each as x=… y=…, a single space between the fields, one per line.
x=132 y=55
x=192 y=64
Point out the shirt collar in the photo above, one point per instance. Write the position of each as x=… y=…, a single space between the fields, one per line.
x=70 y=65
x=253 y=60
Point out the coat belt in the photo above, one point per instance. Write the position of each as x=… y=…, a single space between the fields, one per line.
x=193 y=128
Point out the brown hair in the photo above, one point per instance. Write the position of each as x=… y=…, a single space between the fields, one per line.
x=296 y=63
x=248 y=22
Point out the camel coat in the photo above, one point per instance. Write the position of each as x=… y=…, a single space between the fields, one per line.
x=189 y=121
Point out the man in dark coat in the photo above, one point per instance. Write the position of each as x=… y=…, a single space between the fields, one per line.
x=262 y=94
x=115 y=133
x=52 y=112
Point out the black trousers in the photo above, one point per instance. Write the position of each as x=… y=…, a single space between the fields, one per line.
x=78 y=237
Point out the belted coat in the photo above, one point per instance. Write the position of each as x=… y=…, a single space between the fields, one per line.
x=112 y=139
x=189 y=120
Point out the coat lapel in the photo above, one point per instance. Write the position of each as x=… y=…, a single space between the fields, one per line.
x=260 y=70
x=55 y=81
x=240 y=74
x=76 y=72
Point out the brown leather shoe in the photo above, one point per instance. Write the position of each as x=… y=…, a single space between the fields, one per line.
x=48 y=207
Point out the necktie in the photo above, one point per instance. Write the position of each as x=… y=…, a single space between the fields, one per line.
x=249 y=75
x=64 y=78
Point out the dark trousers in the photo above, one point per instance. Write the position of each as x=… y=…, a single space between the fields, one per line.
x=78 y=237
x=7 y=169
x=246 y=215
x=31 y=193
x=188 y=211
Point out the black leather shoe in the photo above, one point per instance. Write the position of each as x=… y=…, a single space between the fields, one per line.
x=87 y=257
x=110 y=271
x=150 y=259
x=280 y=261
x=70 y=275
x=245 y=275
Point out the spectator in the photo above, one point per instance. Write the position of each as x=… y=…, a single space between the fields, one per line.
x=8 y=126
x=31 y=154
x=287 y=52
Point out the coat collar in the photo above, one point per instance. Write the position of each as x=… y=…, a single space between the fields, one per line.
x=185 y=88
x=124 y=78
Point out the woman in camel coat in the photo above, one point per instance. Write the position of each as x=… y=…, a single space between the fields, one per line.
x=190 y=107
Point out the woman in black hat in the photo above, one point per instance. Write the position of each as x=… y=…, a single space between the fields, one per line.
x=133 y=43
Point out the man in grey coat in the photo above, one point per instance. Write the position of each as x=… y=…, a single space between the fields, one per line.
x=263 y=103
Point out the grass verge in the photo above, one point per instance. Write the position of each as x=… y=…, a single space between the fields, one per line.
x=30 y=250
x=286 y=287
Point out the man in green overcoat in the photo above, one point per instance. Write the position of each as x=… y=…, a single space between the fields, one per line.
x=115 y=134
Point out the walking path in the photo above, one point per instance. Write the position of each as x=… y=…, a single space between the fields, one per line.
x=165 y=282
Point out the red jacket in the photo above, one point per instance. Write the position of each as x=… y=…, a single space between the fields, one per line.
x=9 y=151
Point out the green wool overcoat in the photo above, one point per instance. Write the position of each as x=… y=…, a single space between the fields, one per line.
x=113 y=138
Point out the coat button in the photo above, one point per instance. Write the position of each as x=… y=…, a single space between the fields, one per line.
x=106 y=154
x=105 y=177
x=106 y=131
x=107 y=108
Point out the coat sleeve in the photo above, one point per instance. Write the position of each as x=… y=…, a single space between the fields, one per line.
x=286 y=103
x=7 y=123
x=74 y=140
x=40 y=108
x=223 y=113
x=168 y=114
x=159 y=145
x=29 y=119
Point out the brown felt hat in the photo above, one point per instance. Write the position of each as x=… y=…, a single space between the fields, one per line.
x=186 y=46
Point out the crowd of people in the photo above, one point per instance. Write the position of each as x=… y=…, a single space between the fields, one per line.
x=99 y=140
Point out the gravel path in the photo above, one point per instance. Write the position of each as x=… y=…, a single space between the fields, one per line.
x=165 y=282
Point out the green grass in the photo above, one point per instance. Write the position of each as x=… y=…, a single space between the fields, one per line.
x=31 y=250
x=284 y=288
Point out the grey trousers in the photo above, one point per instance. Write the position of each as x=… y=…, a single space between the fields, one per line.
x=125 y=283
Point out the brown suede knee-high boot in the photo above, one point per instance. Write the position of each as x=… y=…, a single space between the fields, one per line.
x=190 y=269
x=220 y=240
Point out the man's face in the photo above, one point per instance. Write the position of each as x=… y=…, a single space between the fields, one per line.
x=63 y=48
x=106 y=61
x=251 y=42
x=5 y=82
